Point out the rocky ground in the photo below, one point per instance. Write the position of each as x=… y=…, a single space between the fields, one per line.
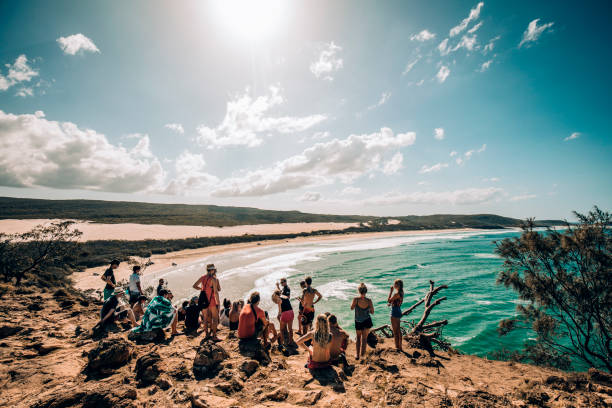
x=48 y=358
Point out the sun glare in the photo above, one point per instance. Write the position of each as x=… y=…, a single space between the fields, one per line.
x=252 y=20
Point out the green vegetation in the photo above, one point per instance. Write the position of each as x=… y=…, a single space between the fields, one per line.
x=565 y=279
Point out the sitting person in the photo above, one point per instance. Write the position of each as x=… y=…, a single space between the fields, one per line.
x=339 y=342
x=234 y=316
x=139 y=307
x=114 y=309
x=192 y=315
x=160 y=314
x=225 y=312
x=271 y=335
x=182 y=311
x=252 y=321
x=319 y=351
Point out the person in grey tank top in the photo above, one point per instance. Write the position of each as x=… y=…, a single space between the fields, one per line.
x=363 y=307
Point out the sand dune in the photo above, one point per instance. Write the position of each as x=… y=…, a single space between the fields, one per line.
x=136 y=232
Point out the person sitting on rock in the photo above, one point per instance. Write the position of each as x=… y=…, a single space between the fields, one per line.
x=192 y=315
x=160 y=314
x=252 y=321
x=139 y=307
x=225 y=312
x=319 y=352
x=234 y=316
x=339 y=342
x=160 y=285
x=271 y=335
x=115 y=309
x=182 y=311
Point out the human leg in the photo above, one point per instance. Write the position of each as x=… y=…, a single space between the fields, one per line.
x=358 y=344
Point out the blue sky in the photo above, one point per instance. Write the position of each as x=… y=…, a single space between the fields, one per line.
x=388 y=108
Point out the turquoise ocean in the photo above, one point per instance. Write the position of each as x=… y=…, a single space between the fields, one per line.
x=465 y=261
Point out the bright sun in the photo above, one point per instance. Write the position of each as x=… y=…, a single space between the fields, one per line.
x=252 y=20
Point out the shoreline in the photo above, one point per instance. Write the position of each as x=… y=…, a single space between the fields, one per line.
x=89 y=279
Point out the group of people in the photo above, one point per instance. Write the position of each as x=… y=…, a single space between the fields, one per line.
x=326 y=343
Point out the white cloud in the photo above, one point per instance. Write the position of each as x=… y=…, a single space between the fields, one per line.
x=573 y=136
x=421 y=82
x=443 y=47
x=35 y=151
x=485 y=65
x=523 y=197
x=410 y=65
x=246 y=118
x=77 y=43
x=18 y=72
x=394 y=165
x=453 y=153
x=468 y=155
x=310 y=196
x=432 y=169
x=491 y=44
x=443 y=73
x=467 y=42
x=456 y=197
x=328 y=62
x=533 y=32
x=474 y=14
x=25 y=92
x=320 y=135
x=350 y=190
x=475 y=28
x=384 y=97
x=491 y=179
x=336 y=160
x=439 y=133
x=424 y=35
x=175 y=127
x=190 y=176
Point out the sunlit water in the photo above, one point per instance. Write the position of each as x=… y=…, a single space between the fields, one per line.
x=464 y=261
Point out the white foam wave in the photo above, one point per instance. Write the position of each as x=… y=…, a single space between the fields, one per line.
x=487 y=256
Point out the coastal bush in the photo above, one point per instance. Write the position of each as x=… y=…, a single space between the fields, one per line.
x=565 y=279
x=41 y=249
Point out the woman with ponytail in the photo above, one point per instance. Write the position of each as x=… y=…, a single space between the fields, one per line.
x=395 y=300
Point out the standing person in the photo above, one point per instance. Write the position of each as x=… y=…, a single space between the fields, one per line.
x=284 y=287
x=209 y=288
x=109 y=278
x=363 y=307
x=301 y=330
x=286 y=317
x=251 y=314
x=319 y=351
x=134 y=285
x=395 y=301
x=308 y=301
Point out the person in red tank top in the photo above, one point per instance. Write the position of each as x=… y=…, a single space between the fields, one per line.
x=209 y=284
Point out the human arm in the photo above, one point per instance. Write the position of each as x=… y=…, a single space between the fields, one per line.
x=371 y=306
x=301 y=341
x=138 y=286
x=198 y=285
x=390 y=298
x=105 y=318
x=354 y=304
x=318 y=295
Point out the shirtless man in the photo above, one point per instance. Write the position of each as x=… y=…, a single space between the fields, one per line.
x=209 y=284
x=320 y=349
x=339 y=342
x=308 y=301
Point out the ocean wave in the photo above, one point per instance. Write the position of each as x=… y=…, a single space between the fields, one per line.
x=487 y=256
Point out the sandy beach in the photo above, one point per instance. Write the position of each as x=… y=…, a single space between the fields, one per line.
x=90 y=278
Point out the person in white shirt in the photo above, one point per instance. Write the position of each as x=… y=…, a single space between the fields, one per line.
x=134 y=285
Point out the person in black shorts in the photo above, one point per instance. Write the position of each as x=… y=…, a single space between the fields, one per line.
x=363 y=308
x=115 y=309
x=301 y=311
x=308 y=301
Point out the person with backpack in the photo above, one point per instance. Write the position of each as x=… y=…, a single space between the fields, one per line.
x=209 y=288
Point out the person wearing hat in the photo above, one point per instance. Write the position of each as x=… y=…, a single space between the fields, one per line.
x=115 y=308
x=109 y=277
x=209 y=288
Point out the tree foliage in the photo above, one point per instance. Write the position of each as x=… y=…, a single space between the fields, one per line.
x=44 y=246
x=564 y=278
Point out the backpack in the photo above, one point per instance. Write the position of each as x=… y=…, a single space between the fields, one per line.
x=203 y=301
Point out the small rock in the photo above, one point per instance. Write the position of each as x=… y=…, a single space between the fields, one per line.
x=147 y=368
x=163 y=383
x=197 y=401
x=208 y=358
x=153 y=336
x=249 y=367
x=278 y=395
x=230 y=387
x=109 y=353
x=6 y=330
x=311 y=398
